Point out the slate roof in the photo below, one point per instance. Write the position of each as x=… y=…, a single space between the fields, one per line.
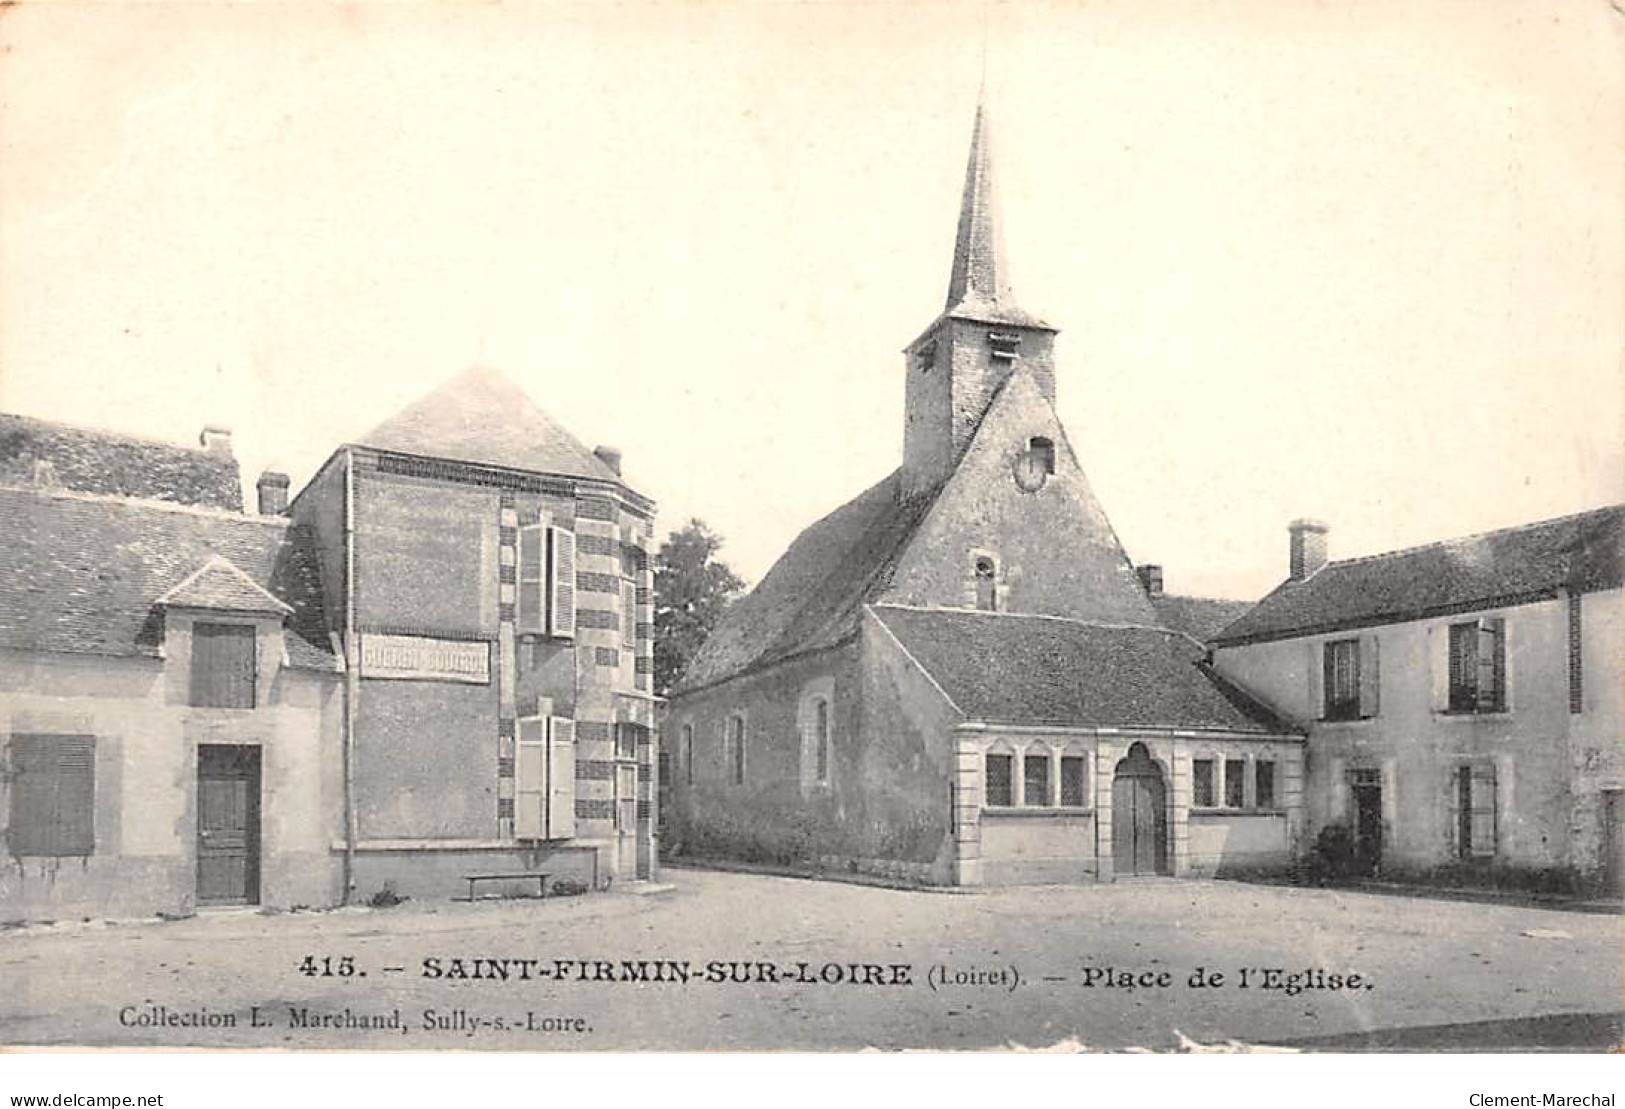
x=84 y=575
x=1009 y=668
x=1198 y=617
x=480 y=416
x=104 y=462
x=813 y=597
x=1514 y=565
x=221 y=586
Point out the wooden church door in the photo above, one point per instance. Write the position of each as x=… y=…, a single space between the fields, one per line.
x=1139 y=816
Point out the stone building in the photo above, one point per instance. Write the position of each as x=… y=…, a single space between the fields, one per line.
x=958 y=677
x=434 y=663
x=489 y=579
x=1462 y=699
x=169 y=692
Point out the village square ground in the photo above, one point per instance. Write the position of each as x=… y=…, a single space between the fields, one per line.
x=1446 y=974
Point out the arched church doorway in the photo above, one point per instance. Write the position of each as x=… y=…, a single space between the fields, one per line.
x=1139 y=815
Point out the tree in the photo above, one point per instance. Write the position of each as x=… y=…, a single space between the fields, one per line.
x=693 y=588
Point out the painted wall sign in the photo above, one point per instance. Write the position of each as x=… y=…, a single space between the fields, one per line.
x=410 y=656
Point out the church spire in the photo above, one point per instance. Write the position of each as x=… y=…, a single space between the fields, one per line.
x=979 y=272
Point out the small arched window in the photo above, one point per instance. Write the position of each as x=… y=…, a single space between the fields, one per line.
x=1043 y=451
x=987 y=598
x=821 y=741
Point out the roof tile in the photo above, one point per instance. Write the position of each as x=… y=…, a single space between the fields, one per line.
x=1580 y=552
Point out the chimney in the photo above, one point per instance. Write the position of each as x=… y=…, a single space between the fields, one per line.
x=1150 y=578
x=1307 y=553
x=609 y=456
x=273 y=489
x=215 y=439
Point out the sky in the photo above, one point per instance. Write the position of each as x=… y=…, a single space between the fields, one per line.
x=1359 y=262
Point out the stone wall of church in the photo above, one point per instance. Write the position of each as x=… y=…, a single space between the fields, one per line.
x=882 y=809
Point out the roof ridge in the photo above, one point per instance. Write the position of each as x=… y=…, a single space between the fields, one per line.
x=1531 y=525
x=148 y=503
x=85 y=429
x=1028 y=616
x=1200 y=597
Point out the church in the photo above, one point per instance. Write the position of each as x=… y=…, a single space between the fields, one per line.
x=958 y=677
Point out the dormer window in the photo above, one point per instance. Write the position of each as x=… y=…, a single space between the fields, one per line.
x=1003 y=346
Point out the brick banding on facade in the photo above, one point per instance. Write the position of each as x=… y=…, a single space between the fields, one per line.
x=504 y=768
x=589 y=582
x=645 y=665
x=595 y=508
x=589 y=544
x=606 y=656
x=595 y=808
x=504 y=808
x=592 y=731
x=597 y=618
x=463 y=474
x=594 y=770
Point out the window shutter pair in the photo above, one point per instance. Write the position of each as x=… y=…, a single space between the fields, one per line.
x=1473 y=815
x=547 y=581
x=545 y=772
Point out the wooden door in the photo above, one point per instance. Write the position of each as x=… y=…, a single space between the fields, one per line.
x=1368 y=828
x=1139 y=816
x=228 y=819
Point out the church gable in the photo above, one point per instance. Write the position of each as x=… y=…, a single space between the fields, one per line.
x=1008 y=534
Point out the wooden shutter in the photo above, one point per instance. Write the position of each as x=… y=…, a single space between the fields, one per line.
x=1438 y=648
x=1453 y=813
x=224 y=666
x=561 y=557
x=1482 y=812
x=1484 y=666
x=53 y=795
x=532 y=607
x=1370 y=682
x=561 y=778
x=530 y=773
x=1314 y=667
x=629 y=614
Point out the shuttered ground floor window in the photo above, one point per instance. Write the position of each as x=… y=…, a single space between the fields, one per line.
x=1472 y=811
x=53 y=795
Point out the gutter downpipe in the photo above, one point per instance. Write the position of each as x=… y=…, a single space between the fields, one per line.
x=352 y=677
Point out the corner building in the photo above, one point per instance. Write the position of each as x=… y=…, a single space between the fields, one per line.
x=489 y=578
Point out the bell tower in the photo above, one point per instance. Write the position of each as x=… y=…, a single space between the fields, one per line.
x=959 y=363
